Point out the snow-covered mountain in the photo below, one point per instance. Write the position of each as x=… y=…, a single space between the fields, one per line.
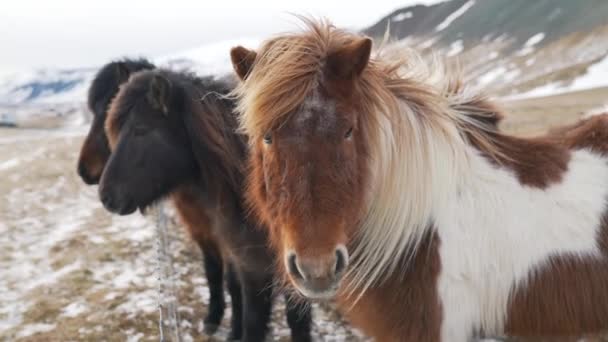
x=515 y=48
x=511 y=48
x=63 y=86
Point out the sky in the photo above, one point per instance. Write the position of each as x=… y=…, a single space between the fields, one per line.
x=83 y=33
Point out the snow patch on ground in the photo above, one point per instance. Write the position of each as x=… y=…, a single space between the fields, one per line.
x=457 y=13
x=528 y=47
x=9 y=164
x=595 y=77
x=35 y=328
x=597 y=111
x=500 y=73
x=74 y=309
x=535 y=39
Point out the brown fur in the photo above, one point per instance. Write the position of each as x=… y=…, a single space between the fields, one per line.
x=417 y=315
x=242 y=60
x=196 y=221
x=92 y=157
x=523 y=157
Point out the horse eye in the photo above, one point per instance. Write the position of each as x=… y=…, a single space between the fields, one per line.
x=348 y=133
x=267 y=139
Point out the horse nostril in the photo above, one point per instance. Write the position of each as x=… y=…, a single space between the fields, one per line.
x=107 y=201
x=341 y=260
x=293 y=266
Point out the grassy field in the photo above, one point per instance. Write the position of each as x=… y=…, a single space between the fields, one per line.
x=71 y=271
x=533 y=116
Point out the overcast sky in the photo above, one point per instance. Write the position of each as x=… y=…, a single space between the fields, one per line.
x=76 y=33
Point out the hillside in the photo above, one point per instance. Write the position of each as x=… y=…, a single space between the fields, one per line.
x=513 y=49
x=510 y=47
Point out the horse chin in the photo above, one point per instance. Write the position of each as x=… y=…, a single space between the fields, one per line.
x=127 y=210
x=325 y=294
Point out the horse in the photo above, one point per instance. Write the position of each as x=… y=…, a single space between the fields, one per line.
x=174 y=134
x=95 y=151
x=380 y=188
x=94 y=155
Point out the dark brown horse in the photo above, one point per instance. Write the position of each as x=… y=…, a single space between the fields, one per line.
x=173 y=134
x=383 y=188
x=94 y=155
x=95 y=151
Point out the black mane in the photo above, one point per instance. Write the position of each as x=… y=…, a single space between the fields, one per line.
x=109 y=78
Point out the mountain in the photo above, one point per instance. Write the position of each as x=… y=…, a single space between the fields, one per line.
x=62 y=86
x=510 y=47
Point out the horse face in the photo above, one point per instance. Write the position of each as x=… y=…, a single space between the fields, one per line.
x=151 y=153
x=95 y=151
x=308 y=180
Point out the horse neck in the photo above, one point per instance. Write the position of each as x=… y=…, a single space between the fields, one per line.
x=218 y=149
x=418 y=168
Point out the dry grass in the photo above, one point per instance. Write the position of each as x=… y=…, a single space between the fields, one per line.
x=533 y=116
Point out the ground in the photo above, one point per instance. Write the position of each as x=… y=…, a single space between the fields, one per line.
x=71 y=271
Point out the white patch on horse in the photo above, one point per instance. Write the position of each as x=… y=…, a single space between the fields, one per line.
x=495 y=233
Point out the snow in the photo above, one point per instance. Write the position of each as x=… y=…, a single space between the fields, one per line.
x=402 y=16
x=496 y=74
x=530 y=43
x=210 y=59
x=74 y=309
x=35 y=328
x=428 y=43
x=450 y=18
x=597 y=111
x=535 y=39
x=596 y=76
x=9 y=164
x=455 y=48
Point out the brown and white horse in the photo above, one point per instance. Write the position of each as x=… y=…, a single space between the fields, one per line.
x=384 y=187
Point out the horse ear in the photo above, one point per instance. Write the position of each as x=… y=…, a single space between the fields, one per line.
x=351 y=59
x=242 y=60
x=158 y=93
x=122 y=71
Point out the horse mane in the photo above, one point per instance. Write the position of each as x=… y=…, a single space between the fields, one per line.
x=106 y=82
x=208 y=118
x=213 y=126
x=419 y=116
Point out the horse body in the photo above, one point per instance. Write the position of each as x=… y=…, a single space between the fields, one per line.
x=173 y=134
x=453 y=230
x=94 y=155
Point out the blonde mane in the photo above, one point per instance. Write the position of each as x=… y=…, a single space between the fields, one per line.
x=420 y=117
